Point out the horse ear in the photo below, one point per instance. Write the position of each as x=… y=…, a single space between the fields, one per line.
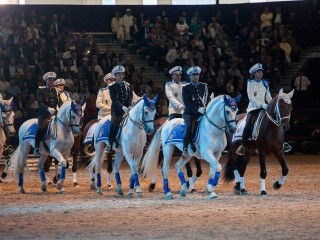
x=237 y=99
x=73 y=106
x=290 y=94
x=281 y=92
x=83 y=107
x=225 y=99
x=145 y=98
x=212 y=96
x=156 y=98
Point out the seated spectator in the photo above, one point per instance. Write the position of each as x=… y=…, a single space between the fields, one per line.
x=117 y=26
x=194 y=26
x=13 y=89
x=3 y=86
x=91 y=109
x=182 y=28
x=32 y=106
x=266 y=18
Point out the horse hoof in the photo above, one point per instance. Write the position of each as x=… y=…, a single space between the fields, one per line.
x=21 y=190
x=169 y=196
x=120 y=192
x=236 y=189
x=99 y=193
x=3 y=175
x=109 y=187
x=151 y=187
x=193 y=190
x=276 y=185
x=93 y=186
x=263 y=193
x=188 y=184
x=213 y=195
x=75 y=184
x=61 y=191
x=1 y=181
x=139 y=194
x=244 y=192
x=130 y=195
x=59 y=186
x=55 y=180
x=43 y=189
x=49 y=183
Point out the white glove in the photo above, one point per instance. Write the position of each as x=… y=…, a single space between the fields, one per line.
x=124 y=108
x=51 y=110
x=202 y=110
x=264 y=106
x=181 y=107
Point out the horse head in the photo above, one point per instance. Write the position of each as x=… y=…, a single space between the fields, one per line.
x=148 y=113
x=230 y=112
x=7 y=116
x=283 y=107
x=76 y=115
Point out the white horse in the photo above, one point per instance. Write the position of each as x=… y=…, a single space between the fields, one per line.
x=132 y=138
x=210 y=142
x=59 y=141
x=6 y=125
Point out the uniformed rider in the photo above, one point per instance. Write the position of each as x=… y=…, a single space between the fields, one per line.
x=194 y=96
x=63 y=96
x=121 y=98
x=259 y=99
x=47 y=98
x=174 y=93
x=103 y=99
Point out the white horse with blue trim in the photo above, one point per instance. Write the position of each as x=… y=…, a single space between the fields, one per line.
x=59 y=140
x=132 y=138
x=211 y=141
x=6 y=126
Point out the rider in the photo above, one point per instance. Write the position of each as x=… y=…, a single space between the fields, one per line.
x=63 y=95
x=174 y=93
x=47 y=98
x=259 y=98
x=121 y=97
x=103 y=99
x=194 y=96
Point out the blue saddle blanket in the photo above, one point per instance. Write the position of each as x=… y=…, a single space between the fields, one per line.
x=177 y=134
x=104 y=130
x=32 y=130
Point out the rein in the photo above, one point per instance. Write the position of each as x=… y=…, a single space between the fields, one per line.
x=225 y=128
x=139 y=125
x=278 y=120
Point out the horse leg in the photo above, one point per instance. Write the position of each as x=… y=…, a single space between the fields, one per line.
x=280 y=156
x=214 y=173
x=263 y=173
x=179 y=165
x=47 y=164
x=116 y=169
x=242 y=163
x=134 y=177
x=98 y=159
x=153 y=183
x=56 y=169
x=167 y=155
x=6 y=167
x=21 y=153
x=41 y=172
x=198 y=173
x=58 y=156
x=109 y=170
x=74 y=168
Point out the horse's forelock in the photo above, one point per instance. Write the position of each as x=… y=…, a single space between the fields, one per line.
x=214 y=101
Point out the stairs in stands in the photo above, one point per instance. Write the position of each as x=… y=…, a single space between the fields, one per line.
x=127 y=49
x=285 y=83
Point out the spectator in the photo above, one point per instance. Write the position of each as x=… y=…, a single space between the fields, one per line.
x=13 y=89
x=266 y=18
x=301 y=85
x=127 y=23
x=117 y=26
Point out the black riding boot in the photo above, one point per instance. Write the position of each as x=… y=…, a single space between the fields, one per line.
x=194 y=126
x=37 y=141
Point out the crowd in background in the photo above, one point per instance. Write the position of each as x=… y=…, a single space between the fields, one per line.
x=224 y=46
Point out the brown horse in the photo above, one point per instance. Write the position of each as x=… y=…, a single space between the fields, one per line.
x=157 y=124
x=84 y=151
x=270 y=139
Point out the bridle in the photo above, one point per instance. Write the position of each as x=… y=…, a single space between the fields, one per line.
x=225 y=128
x=6 y=127
x=278 y=119
x=69 y=126
x=143 y=123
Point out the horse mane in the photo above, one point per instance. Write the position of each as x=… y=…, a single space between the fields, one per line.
x=214 y=101
x=65 y=104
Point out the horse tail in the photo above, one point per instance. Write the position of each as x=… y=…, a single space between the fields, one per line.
x=150 y=159
x=16 y=163
x=89 y=153
x=228 y=168
x=92 y=164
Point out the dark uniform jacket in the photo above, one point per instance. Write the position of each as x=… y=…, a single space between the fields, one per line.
x=194 y=97
x=47 y=97
x=120 y=95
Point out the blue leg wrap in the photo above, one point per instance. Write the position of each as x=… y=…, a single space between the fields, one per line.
x=98 y=179
x=117 y=176
x=131 y=185
x=181 y=177
x=42 y=177
x=136 y=179
x=166 y=186
x=214 y=181
x=20 y=183
x=63 y=173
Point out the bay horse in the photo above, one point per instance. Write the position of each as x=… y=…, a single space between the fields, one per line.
x=270 y=139
x=210 y=142
x=58 y=142
x=137 y=123
x=157 y=124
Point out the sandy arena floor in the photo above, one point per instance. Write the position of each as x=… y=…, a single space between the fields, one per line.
x=290 y=213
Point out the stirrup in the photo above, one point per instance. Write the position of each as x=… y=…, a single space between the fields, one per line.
x=185 y=152
x=286 y=147
x=107 y=149
x=36 y=151
x=240 y=150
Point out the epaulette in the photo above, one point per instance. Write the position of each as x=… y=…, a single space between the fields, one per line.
x=203 y=83
x=169 y=83
x=126 y=83
x=42 y=86
x=110 y=84
x=103 y=88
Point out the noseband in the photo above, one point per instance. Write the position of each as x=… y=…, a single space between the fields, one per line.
x=224 y=128
x=5 y=126
x=144 y=122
